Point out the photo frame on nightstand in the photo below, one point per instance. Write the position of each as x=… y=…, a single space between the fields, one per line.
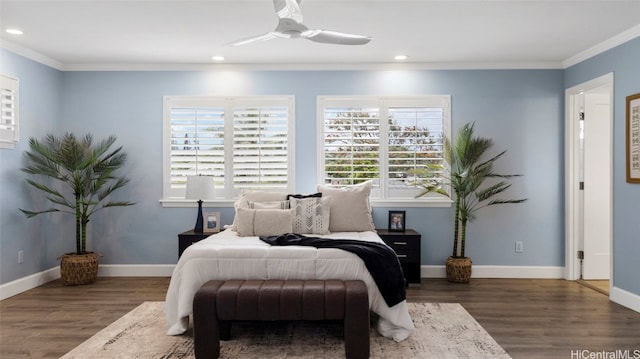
x=211 y=222
x=397 y=221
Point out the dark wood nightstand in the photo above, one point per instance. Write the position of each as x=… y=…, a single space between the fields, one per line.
x=407 y=247
x=185 y=239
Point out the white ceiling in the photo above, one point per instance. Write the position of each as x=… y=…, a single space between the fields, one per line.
x=94 y=34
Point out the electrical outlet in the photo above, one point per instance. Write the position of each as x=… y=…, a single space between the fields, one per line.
x=519 y=247
x=20 y=256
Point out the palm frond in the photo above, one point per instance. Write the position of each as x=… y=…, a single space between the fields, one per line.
x=468 y=173
x=87 y=167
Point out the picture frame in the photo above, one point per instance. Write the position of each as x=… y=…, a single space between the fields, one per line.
x=211 y=222
x=633 y=138
x=397 y=220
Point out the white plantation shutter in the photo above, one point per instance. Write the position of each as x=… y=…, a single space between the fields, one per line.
x=351 y=145
x=243 y=142
x=9 y=133
x=260 y=147
x=359 y=146
x=415 y=140
x=197 y=144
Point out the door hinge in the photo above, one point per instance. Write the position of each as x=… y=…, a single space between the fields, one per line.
x=580 y=254
x=581 y=116
x=582 y=186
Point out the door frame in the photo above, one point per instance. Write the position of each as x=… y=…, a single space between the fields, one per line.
x=572 y=218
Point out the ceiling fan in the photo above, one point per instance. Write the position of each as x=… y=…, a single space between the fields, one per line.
x=290 y=26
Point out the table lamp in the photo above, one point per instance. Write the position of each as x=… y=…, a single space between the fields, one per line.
x=200 y=188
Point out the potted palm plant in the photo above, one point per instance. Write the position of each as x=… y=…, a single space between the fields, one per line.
x=87 y=172
x=468 y=171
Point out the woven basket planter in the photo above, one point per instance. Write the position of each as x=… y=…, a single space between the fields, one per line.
x=77 y=269
x=458 y=269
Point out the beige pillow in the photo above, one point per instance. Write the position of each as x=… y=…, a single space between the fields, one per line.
x=255 y=196
x=311 y=215
x=269 y=205
x=263 y=222
x=350 y=210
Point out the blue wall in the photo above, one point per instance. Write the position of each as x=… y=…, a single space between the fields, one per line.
x=522 y=110
x=624 y=62
x=40 y=108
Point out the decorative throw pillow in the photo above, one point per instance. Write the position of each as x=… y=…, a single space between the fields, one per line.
x=269 y=205
x=350 y=209
x=255 y=196
x=311 y=215
x=263 y=222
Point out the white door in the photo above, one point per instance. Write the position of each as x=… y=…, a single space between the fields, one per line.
x=597 y=184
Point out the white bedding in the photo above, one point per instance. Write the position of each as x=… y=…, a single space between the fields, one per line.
x=226 y=256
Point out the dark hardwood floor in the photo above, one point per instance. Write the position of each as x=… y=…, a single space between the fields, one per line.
x=529 y=318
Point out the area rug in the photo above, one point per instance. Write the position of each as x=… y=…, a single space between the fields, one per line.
x=443 y=330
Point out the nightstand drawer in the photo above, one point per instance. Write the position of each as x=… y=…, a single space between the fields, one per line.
x=406 y=250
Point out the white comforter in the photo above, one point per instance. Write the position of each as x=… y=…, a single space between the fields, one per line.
x=226 y=256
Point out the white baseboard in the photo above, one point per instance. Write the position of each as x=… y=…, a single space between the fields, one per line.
x=480 y=271
x=626 y=299
x=29 y=282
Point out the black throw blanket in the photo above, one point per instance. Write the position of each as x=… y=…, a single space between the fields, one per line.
x=380 y=260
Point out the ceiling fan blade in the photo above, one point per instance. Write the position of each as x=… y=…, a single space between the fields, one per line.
x=288 y=9
x=333 y=37
x=248 y=40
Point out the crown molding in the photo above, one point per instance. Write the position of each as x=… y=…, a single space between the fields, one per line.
x=32 y=55
x=317 y=66
x=619 y=39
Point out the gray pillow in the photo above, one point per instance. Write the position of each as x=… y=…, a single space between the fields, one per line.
x=350 y=209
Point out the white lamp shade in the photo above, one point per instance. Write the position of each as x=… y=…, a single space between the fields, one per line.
x=200 y=188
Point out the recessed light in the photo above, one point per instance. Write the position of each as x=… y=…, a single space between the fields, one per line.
x=217 y=58
x=400 y=57
x=14 y=31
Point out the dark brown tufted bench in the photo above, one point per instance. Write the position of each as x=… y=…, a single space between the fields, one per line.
x=218 y=302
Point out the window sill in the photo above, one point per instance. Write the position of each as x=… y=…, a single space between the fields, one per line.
x=412 y=203
x=185 y=203
x=403 y=203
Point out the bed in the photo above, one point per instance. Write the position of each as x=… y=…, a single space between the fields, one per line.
x=238 y=253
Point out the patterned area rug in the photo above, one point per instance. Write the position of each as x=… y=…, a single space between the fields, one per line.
x=444 y=330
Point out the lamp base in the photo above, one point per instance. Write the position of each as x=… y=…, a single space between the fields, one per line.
x=199 y=228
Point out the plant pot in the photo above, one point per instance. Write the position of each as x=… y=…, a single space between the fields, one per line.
x=458 y=269
x=78 y=269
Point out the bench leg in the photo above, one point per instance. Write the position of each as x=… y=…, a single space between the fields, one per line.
x=206 y=330
x=356 y=321
x=225 y=329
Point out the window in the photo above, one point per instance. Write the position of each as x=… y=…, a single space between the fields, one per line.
x=9 y=121
x=243 y=142
x=388 y=140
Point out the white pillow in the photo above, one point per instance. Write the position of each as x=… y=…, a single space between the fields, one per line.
x=350 y=209
x=264 y=222
x=255 y=196
x=311 y=215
